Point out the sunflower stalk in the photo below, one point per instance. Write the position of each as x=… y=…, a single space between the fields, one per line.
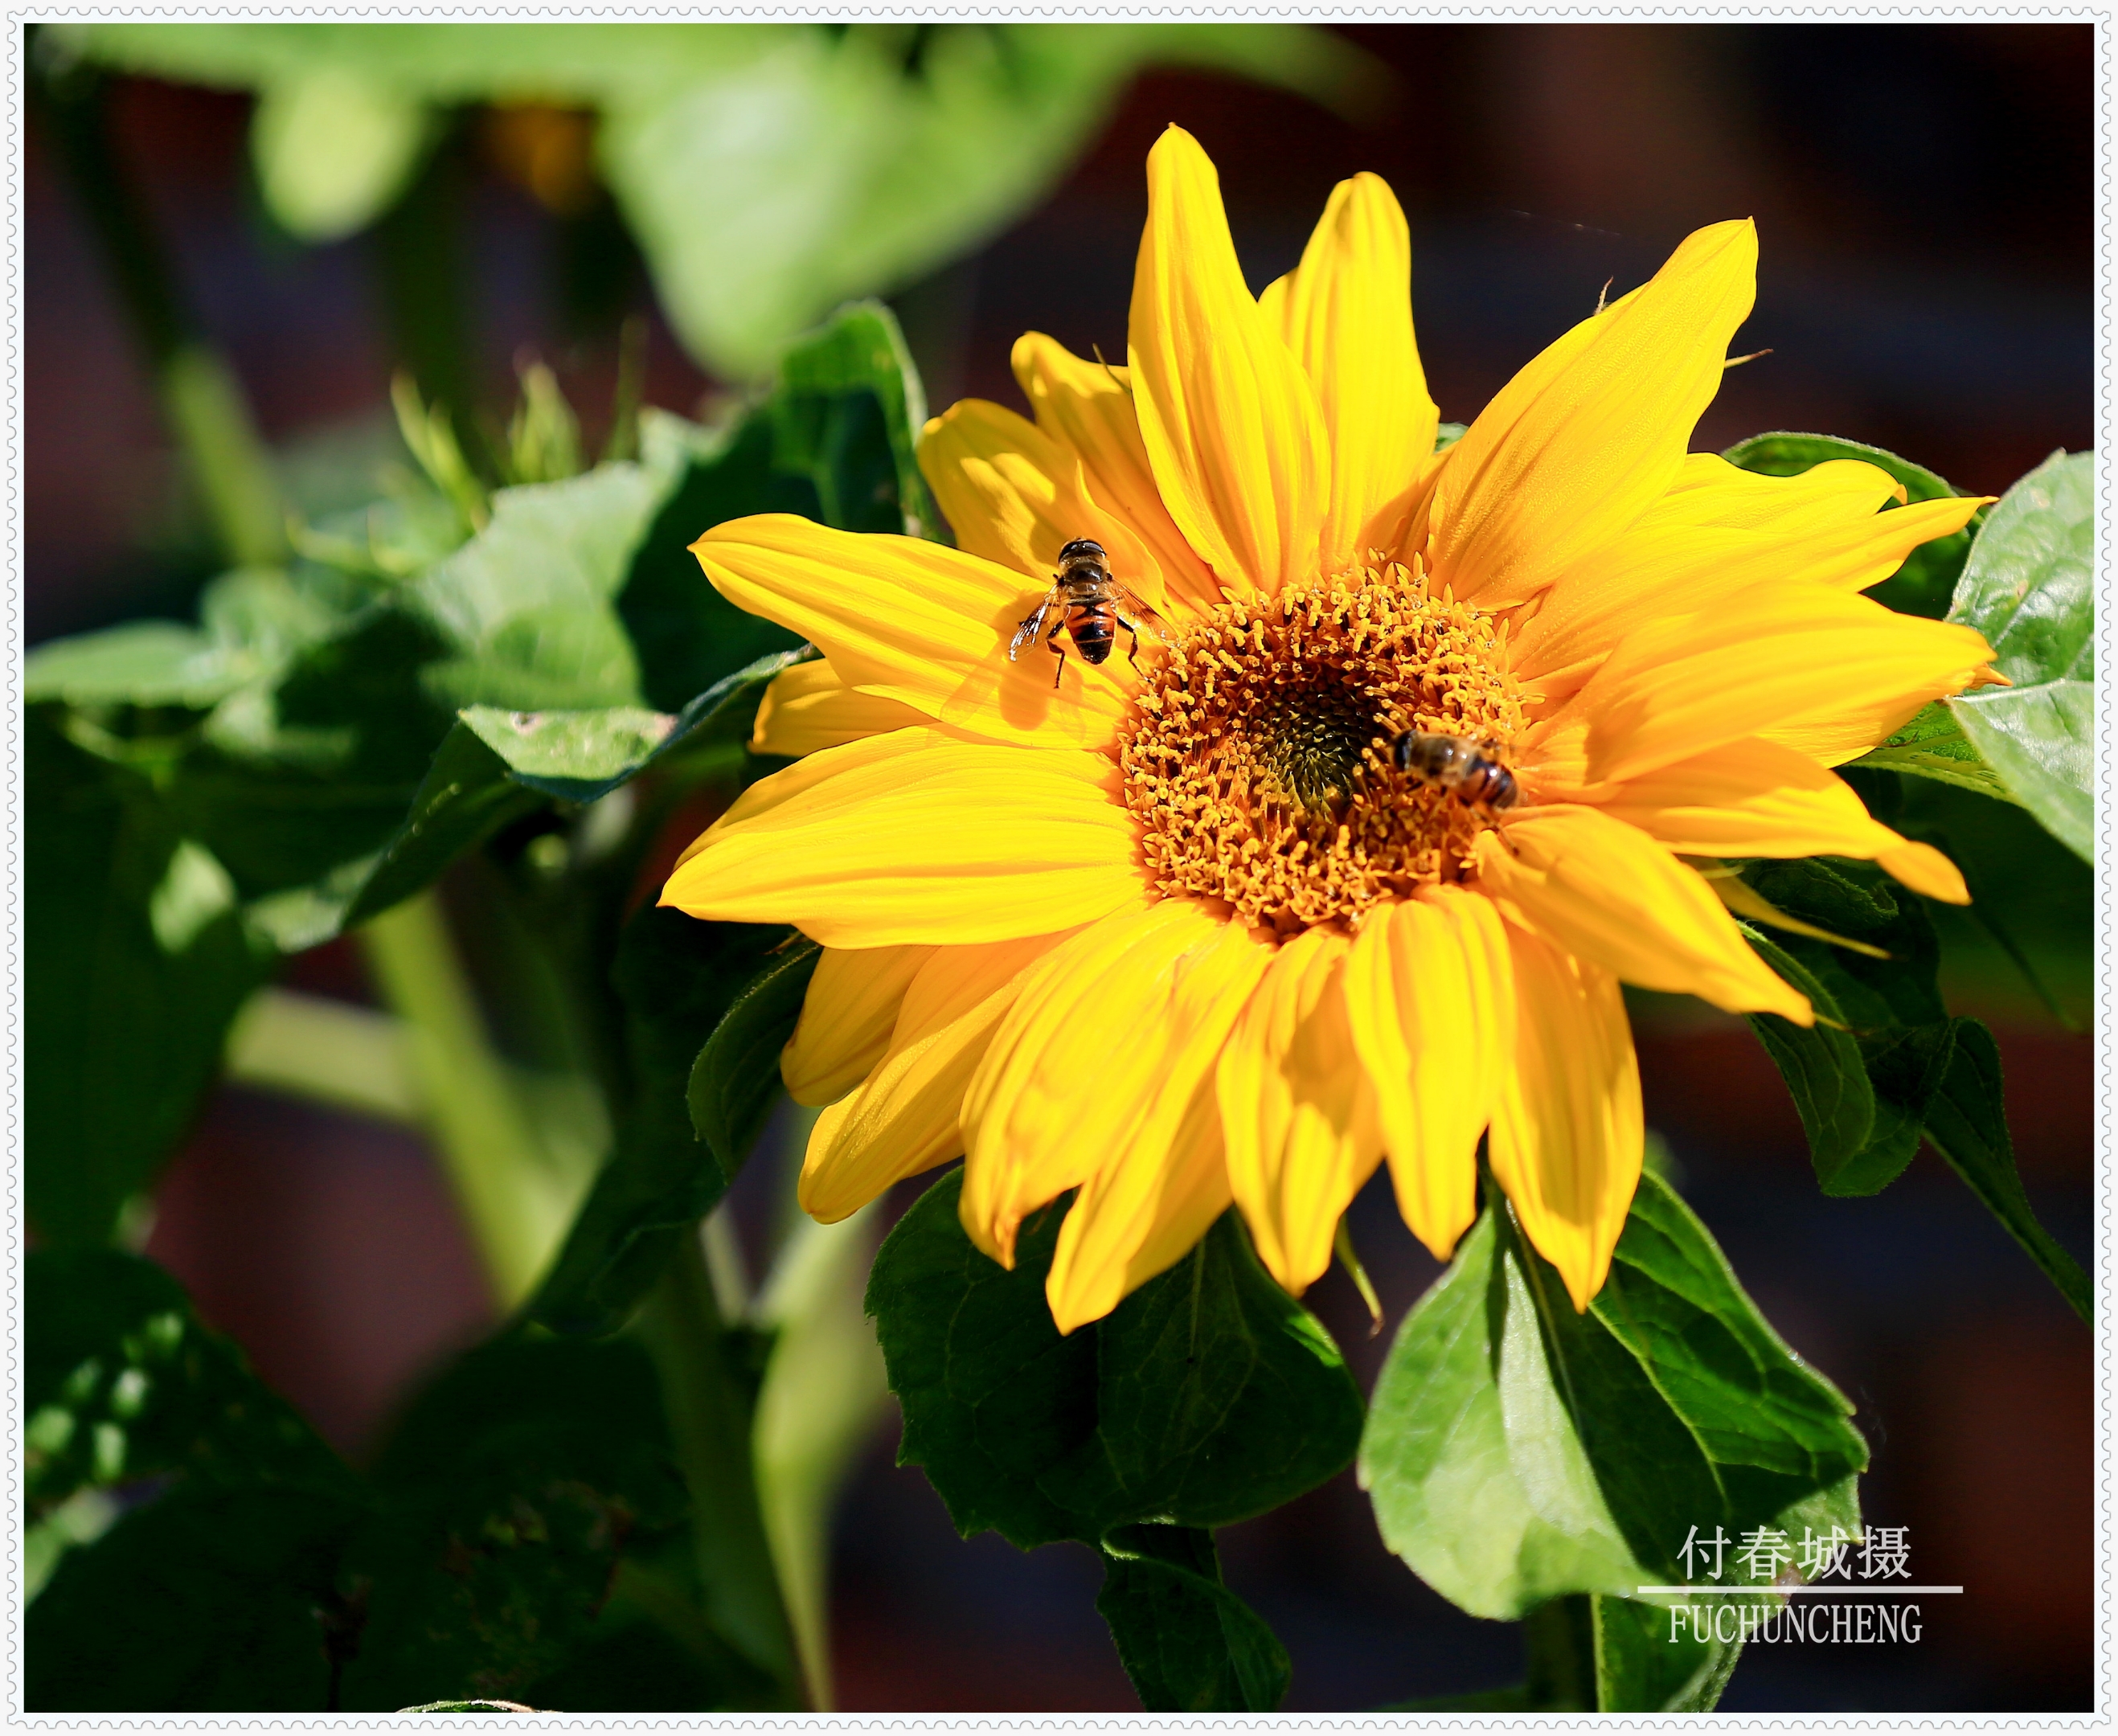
x=1559 y=1654
x=482 y=1130
x=706 y=1392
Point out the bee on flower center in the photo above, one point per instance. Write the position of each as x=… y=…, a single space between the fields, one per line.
x=1089 y=603
x=1465 y=768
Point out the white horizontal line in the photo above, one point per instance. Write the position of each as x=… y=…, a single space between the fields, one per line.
x=1877 y=1590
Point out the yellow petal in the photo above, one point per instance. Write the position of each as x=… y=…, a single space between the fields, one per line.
x=846 y=1020
x=1658 y=569
x=1228 y=418
x=905 y=1119
x=912 y=621
x=1613 y=895
x=1430 y=998
x=1086 y=407
x=1076 y=1074
x=917 y=839
x=808 y=708
x=1593 y=432
x=1710 y=490
x=1926 y=871
x=1758 y=798
x=1789 y=656
x=1013 y=495
x=1346 y=313
x=1297 y=1117
x=1162 y=1185
x=1567 y=1135
x=1834 y=732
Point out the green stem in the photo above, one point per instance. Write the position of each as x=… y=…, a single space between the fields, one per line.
x=325 y=1051
x=201 y=400
x=824 y=1391
x=486 y=1141
x=1559 y=1648
x=708 y=1399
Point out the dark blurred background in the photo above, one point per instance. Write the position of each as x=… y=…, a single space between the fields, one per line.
x=1924 y=198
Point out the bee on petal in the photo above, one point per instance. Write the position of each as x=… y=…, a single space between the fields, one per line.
x=1088 y=604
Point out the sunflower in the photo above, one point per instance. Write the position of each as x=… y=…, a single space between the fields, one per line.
x=1177 y=931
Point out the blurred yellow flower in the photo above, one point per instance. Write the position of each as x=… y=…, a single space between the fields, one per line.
x=1178 y=931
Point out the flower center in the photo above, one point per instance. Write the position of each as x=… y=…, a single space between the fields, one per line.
x=1258 y=757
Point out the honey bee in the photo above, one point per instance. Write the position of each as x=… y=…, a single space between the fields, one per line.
x=1464 y=767
x=1088 y=603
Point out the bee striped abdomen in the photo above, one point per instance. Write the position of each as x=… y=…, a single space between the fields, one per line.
x=1488 y=785
x=1095 y=628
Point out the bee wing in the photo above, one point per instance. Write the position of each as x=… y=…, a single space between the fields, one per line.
x=1032 y=625
x=1142 y=618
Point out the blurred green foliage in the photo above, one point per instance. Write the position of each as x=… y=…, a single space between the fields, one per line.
x=768 y=171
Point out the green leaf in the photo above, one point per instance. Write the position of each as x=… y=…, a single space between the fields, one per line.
x=1822 y=1066
x=496 y=766
x=334 y=150
x=120 y=1382
x=834 y=441
x=527 y=605
x=508 y=1493
x=209 y=1599
x=1891 y=1007
x=867 y=174
x=562 y=752
x=135 y=961
x=1651 y=1659
x=1206 y=1397
x=2028 y=588
x=143 y=662
x=1187 y=1642
x=735 y=1081
x=1933 y=745
x=1924 y=584
x=1967 y=1126
x=677 y=977
x=1518 y=1451
x=2040 y=741
x=581 y=756
x=1929 y=1075
x=847 y=413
